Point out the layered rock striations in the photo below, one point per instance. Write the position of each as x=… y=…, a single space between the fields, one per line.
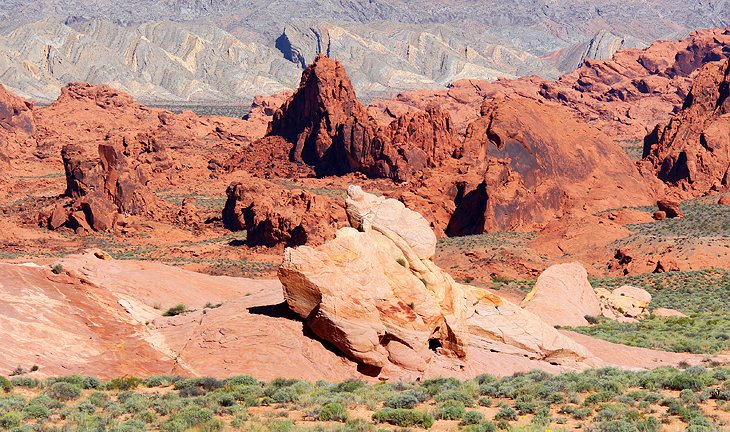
x=375 y=293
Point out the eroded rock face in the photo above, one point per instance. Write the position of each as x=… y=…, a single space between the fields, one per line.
x=329 y=127
x=103 y=185
x=538 y=161
x=16 y=126
x=692 y=152
x=273 y=215
x=376 y=294
x=333 y=132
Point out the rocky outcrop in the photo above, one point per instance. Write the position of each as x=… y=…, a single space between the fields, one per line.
x=669 y=208
x=626 y=303
x=332 y=131
x=329 y=127
x=692 y=152
x=563 y=296
x=273 y=215
x=538 y=161
x=629 y=94
x=101 y=187
x=375 y=293
x=16 y=124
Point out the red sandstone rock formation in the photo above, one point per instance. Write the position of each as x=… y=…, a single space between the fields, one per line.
x=101 y=186
x=541 y=161
x=627 y=95
x=332 y=131
x=692 y=152
x=273 y=215
x=16 y=126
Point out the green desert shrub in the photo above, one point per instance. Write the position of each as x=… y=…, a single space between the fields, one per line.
x=461 y=395
x=159 y=381
x=481 y=427
x=64 y=391
x=406 y=400
x=175 y=310
x=36 y=411
x=506 y=413
x=333 y=411
x=242 y=380
x=11 y=420
x=5 y=385
x=348 y=386
x=471 y=418
x=404 y=417
x=123 y=384
x=450 y=410
x=26 y=382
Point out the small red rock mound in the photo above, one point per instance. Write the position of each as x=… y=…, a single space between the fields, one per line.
x=692 y=152
x=332 y=131
x=669 y=208
x=103 y=186
x=273 y=215
x=540 y=161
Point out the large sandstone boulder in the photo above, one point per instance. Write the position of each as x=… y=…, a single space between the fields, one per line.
x=537 y=161
x=563 y=296
x=273 y=215
x=375 y=293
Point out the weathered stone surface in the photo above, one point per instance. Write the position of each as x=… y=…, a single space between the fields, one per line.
x=692 y=152
x=332 y=131
x=391 y=217
x=538 y=161
x=563 y=296
x=59 y=216
x=376 y=294
x=104 y=185
x=273 y=215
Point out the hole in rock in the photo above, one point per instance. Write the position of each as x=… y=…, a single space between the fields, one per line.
x=434 y=344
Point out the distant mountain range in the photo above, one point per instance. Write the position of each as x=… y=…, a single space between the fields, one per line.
x=230 y=50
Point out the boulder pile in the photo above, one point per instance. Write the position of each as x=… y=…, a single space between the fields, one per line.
x=563 y=296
